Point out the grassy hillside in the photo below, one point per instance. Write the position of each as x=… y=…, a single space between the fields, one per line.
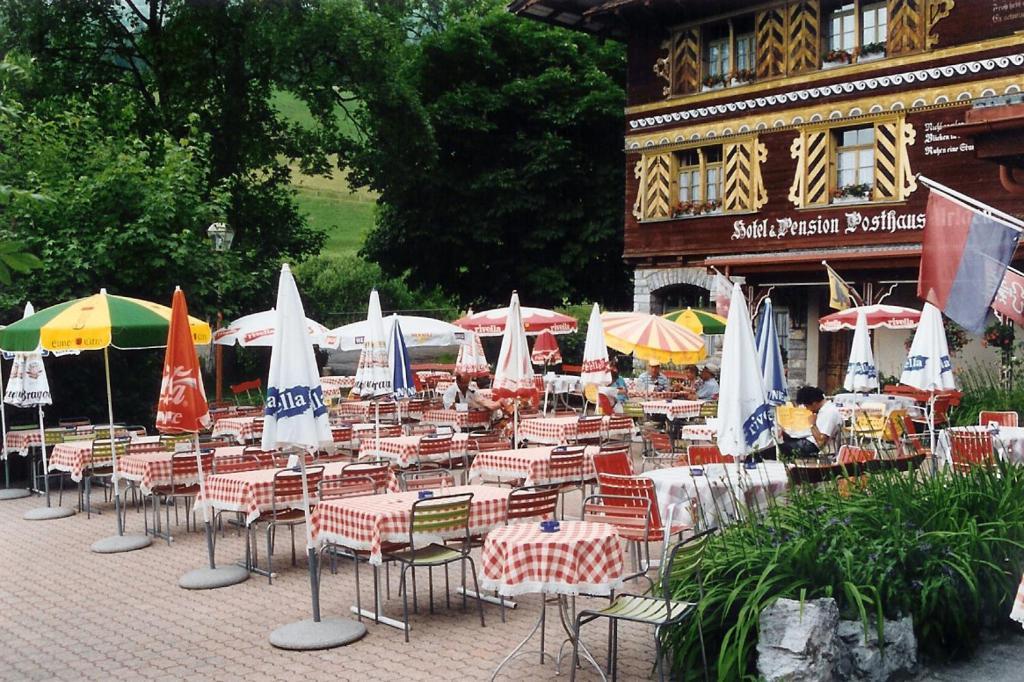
x=329 y=203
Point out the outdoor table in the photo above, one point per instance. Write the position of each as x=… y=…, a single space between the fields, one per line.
x=891 y=402
x=456 y=419
x=151 y=469
x=530 y=465
x=698 y=432
x=334 y=386
x=580 y=558
x=402 y=450
x=673 y=409
x=73 y=457
x=19 y=442
x=717 y=491
x=239 y=428
x=559 y=430
x=1008 y=442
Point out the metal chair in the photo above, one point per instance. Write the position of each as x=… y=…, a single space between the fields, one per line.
x=659 y=610
x=1000 y=417
x=589 y=430
x=184 y=484
x=377 y=470
x=970 y=448
x=566 y=467
x=444 y=515
x=700 y=455
x=658 y=450
x=630 y=515
x=287 y=492
x=100 y=464
x=620 y=422
x=613 y=462
x=426 y=479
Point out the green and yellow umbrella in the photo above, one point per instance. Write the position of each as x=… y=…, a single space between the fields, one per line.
x=698 y=321
x=96 y=322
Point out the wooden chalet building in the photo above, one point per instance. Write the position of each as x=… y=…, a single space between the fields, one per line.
x=764 y=137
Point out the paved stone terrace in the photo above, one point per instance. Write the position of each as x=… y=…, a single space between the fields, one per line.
x=69 y=614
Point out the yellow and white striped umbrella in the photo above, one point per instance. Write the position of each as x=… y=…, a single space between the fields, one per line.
x=649 y=337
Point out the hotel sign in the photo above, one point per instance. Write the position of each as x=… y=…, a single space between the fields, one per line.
x=854 y=222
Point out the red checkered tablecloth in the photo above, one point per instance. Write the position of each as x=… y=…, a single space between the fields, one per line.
x=456 y=419
x=581 y=557
x=558 y=430
x=239 y=428
x=19 y=442
x=402 y=449
x=73 y=456
x=366 y=522
x=530 y=465
x=334 y=386
x=701 y=432
x=674 y=409
x=151 y=469
x=250 y=492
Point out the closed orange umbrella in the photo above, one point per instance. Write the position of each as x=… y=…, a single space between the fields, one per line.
x=649 y=337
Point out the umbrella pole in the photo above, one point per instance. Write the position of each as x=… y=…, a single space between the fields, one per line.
x=3 y=429
x=202 y=496
x=314 y=574
x=42 y=447
x=113 y=447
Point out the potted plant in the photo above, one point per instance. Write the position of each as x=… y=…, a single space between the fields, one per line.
x=682 y=208
x=870 y=52
x=998 y=335
x=742 y=77
x=836 y=58
x=713 y=82
x=851 y=194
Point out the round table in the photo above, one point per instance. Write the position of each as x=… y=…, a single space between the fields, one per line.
x=580 y=557
x=721 y=490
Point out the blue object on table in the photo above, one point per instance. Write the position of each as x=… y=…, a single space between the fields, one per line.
x=696 y=471
x=426 y=494
x=549 y=526
x=750 y=465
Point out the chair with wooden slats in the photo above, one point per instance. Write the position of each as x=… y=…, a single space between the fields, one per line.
x=184 y=484
x=100 y=464
x=286 y=509
x=970 y=448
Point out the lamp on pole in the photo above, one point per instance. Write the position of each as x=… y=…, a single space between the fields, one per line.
x=221 y=235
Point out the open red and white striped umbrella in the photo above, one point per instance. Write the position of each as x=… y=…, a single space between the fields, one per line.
x=545 y=349
x=535 y=320
x=878 y=315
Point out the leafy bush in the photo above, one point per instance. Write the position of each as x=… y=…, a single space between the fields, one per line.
x=982 y=390
x=946 y=550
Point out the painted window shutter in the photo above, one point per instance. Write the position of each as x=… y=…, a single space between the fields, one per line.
x=810 y=183
x=894 y=180
x=770 y=35
x=906 y=27
x=744 y=189
x=680 y=67
x=654 y=194
x=804 y=36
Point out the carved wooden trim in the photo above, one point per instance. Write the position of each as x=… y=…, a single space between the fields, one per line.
x=905 y=27
x=770 y=39
x=796 y=151
x=804 y=36
x=937 y=10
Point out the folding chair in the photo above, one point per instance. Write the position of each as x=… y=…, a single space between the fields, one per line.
x=658 y=450
x=700 y=455
x=184 y=484
x=1001 y=418
x=285 y=509
x=425 y=479
x=248 y=387
x=566 y=466
x=377 y=470
x=969 y=449
x=101 y=465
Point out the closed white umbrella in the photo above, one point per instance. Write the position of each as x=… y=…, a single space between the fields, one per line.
x=471 y=360
x=861 y=372
x=744 y=415
x=596 y=368
x=258 y=329
x=513 y=376
x=29 y=387
x=373 y=373
x=928 y=366
x=296 y=418
x=417 y=332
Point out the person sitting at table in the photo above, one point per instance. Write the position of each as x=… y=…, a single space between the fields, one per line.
x=708 y=389
x=464 y=391
x=824 y=429
x=653 y=379
x=690 y=382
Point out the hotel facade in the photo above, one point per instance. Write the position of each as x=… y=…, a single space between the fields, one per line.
x=763 y=138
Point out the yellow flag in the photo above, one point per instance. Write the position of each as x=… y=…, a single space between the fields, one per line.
x=839 y=295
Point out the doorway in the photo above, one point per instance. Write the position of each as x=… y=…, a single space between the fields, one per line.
x=835 y=349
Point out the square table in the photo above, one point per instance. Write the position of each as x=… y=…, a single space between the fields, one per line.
x=241 y=429
x=559 y=430
x=403 y=450
x=73 y=457
x=673 y=409
x=152 y=469
x=530 y=465
x=456 y=419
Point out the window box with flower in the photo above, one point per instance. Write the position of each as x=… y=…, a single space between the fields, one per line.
x=691 y=209
x=741 y=77
x=851 y=194
x=870 y=52
x=836 y=58
x=713 y=82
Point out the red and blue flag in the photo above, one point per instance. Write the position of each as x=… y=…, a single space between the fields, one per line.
x=964 y=257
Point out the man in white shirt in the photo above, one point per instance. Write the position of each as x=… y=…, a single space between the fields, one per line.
x=463 y=390
x=823 y=433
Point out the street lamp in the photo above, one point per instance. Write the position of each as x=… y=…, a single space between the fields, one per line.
x=221 y=235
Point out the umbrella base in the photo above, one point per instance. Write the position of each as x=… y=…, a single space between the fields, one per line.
x=307 y=635
x=213 y=578
x=14 y=493
x=116 y=544
x=47 y=513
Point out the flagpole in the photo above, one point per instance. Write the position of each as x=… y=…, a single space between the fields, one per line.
x=973 y=204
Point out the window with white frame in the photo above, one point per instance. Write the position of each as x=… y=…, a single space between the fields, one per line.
x=841 y=33
x=700 y=180
x=855 y=162
x=873 y=24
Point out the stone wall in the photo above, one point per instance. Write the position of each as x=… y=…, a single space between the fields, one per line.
x=647 y=281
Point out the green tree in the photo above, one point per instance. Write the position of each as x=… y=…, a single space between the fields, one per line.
x=518 y=183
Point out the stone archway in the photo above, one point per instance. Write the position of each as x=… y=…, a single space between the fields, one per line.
x=648 y=282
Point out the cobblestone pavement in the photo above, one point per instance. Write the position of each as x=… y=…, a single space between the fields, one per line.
x=69 y=614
